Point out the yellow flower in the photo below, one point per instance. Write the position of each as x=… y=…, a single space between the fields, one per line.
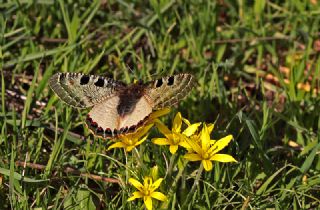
x=205 y=150
x=196 y=137
x=174 y=137
x=147 y=191
x=131 y=140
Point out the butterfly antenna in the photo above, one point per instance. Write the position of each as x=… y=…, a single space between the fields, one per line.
x=135 y=79
x=131 y=70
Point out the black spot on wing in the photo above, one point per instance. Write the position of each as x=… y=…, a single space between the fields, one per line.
x=132 y=128
x=159 y=83
x=61 y=77
x=99 y=82
x=125 y=129
x=170 y=80
x=84 y=80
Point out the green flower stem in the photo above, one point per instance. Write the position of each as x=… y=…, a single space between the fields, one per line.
x=138 y=158
x=173 y=186
x=195 y=184
x=171 y=164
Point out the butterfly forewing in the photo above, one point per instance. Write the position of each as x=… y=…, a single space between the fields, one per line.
x=82 y=91
x=168 y=91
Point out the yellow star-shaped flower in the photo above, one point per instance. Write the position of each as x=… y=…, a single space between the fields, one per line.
x=205 y=150
x=132 y=140
x=147 y=191
x=174 y=137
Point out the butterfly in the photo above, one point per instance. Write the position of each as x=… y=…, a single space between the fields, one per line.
x=117 y=108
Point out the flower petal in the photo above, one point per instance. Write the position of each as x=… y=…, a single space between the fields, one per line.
x=205 y=138
x=212 y=142
x=159 y=113
x=135 y=196
x=223 y=158
x=162 y=128
x=159 y=196
x=160 y=141
x=177 y=122
x=191 y=129
x=173 y=149
x=148 y=202
x=141 y=141
x=210 y=127
x=136 y=184
x=186 y=121
x=129 y=148
x=142 y=132
x=207 y=165
x=193 y=157
x=157 y=183
x=221 y=143
x=154 y=172
x=147 y=182
x=194 y=145
x=117 y=145
x=184 y=144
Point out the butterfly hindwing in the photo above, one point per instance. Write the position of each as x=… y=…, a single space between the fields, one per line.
x=82 y=91
x=167 y=91
x=104 y=119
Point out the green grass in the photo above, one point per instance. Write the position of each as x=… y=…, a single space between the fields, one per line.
x=232 y=47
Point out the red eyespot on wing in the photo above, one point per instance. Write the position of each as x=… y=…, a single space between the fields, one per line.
x=108 y=132
x=94 y=124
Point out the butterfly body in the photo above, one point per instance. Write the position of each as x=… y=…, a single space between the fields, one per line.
x=117 y=108
x=129 y=97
